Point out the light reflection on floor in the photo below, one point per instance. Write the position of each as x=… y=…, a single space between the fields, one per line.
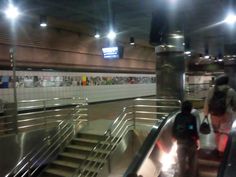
x=169 y=165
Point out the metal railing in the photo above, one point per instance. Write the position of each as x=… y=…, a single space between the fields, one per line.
x=197 y=90
x=156 y=109
x=44 y=104
x=40 y=119
x=31 y=163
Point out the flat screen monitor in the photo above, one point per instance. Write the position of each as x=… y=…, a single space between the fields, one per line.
x=112 y=52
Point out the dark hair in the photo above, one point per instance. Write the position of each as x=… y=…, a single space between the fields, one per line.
x=222 y=80
x=186 y=107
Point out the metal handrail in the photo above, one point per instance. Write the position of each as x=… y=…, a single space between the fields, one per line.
x=117 y=129
x=6 y=120
x=66 y=130
x=45 y=103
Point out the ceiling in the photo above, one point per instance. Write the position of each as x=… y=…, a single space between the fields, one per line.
x=200 y=18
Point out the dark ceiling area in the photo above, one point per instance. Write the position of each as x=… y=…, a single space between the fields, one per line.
x=201 y=19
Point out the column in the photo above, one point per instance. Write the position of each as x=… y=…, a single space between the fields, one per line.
x=170 y=69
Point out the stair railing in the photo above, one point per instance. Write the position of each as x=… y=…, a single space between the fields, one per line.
x=8 y=122
x=31 y=163
x=127 y=119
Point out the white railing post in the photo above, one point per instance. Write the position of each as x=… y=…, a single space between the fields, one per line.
x=109 y=156
x=134 y=115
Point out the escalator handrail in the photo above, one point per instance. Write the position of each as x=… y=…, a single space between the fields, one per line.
x=225 y=161
x=147 y=146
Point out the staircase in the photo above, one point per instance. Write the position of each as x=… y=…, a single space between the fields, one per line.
x=75 y=153
x=208 y=163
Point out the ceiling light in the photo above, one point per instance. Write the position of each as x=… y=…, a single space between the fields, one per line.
x=177 y=36
x=230 y=19
x=173 y=1
x=12 y=12
x=43 y=21
x=111 y=35
x=187 y=52
x=131 y=41
x=97 y=35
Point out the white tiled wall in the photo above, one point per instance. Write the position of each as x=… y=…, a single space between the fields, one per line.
x=113 y=92
x=94 y=93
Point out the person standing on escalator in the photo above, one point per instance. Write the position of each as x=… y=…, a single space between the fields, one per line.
x=184 y=131
x=220 y=103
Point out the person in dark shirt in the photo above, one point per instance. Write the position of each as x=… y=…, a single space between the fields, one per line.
x=185 y=132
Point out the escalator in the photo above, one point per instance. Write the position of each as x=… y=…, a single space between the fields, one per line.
x=157 y=157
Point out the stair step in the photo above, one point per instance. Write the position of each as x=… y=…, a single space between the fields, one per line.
x=85 y=148
x=66 y=163
x=71 y=167
x=89 y=142
x=57 y=173
x=73 y=155
x=85 y=140
x=80 y=156
x=90 y=136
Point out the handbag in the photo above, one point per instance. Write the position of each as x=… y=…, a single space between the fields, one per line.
x=205 y=126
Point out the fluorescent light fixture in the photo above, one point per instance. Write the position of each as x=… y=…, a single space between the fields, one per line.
x=177 y=36
x=12 y=12
x=97 y=35
x=43 y=24
x=187 y=52
x=43 y=21
x=230 y=19
x=131 y=41
x=111 y=35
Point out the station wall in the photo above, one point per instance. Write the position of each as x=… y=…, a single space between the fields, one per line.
x=59 y=46
x=94 y=86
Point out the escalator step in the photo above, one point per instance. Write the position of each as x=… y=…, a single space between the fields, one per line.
x=207 y=174
x=207 y=163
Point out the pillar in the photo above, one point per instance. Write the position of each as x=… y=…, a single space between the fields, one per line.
x=230 y=63
x=170 y=69
x=167 y=37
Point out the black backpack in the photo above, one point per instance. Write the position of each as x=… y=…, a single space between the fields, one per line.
x=217 y=104
x=183 y=127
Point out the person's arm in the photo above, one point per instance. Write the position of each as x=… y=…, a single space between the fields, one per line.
x=234 y=100
x=195 y=131
x=206 y=102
